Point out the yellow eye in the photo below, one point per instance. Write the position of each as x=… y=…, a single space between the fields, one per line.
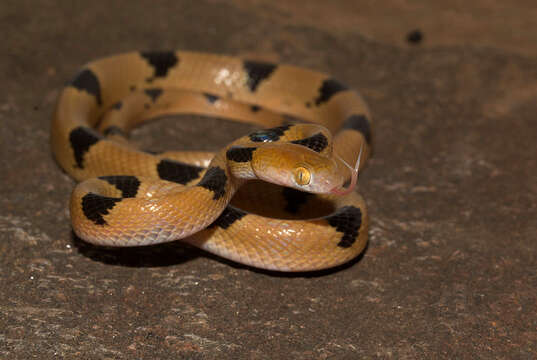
x=302 y=175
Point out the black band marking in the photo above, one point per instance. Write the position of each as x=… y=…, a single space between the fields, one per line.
x=215 y=180
x=317 y=142
x=295 y=199
x=161 y=61
x=255 y=108
x=329 y=88
x=153 y=93
x=87 y=81
x=266 y=135
x=128 y=185
x=257 y=72
x=240 y=154
x=359 y=123
x=346 y=220
x=81 y=139
x=96 y=206
x=178 y=172
x=228 y=217
x=211 y=98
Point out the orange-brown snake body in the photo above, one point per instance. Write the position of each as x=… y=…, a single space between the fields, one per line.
x=216 y=202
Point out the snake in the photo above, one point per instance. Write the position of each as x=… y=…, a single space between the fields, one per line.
x=279 y=198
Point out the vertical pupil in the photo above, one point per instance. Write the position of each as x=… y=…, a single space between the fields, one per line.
x=302 y=176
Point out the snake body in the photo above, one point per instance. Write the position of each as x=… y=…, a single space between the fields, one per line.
x=216 y=202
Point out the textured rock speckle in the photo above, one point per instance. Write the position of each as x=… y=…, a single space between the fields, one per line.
x=449 y=271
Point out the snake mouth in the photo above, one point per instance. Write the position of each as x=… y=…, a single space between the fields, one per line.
x=341 y=190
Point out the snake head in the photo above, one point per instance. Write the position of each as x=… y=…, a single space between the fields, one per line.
x=298 y=167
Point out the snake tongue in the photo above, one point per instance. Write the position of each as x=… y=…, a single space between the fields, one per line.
x=340 y=190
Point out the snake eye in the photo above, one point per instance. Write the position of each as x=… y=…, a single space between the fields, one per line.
x=302 y=175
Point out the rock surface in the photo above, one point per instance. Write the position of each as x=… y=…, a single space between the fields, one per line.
x=450 y=271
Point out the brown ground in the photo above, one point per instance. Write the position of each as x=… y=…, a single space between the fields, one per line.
x=452 y=189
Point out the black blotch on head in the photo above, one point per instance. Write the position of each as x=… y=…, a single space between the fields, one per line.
x=214 y=180
x=211 y=98
x=96 y=206
x=359 y=123
x=266 y=135
x=295 y=199
x=317 y=142
x=132 y=87
x=414 y=37
x=113 y=130
x=117 y=105
x=346 y=220
x=240 y=154
x=329 y=88
x=255 y=108
x=87 y=81
x=177 y=172
x=81 y=139
x=161 y=61
x=228 y=217
x=128 y=185
x=257 y=72
x=153 y=93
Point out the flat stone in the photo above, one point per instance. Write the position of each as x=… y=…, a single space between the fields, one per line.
x=451 y=189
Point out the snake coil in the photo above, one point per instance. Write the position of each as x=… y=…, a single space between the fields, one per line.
x=216 y=202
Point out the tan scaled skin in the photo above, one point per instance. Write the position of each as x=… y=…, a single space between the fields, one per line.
x=294 y=166
x=270 y=237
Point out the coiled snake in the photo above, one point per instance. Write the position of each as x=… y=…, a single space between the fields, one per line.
x=213 y=201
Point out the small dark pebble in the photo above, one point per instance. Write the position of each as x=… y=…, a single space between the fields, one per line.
x=414 y=37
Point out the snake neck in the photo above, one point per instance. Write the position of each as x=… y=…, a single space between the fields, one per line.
x=224 y=178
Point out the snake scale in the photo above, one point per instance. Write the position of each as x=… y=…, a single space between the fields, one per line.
x=271 y=199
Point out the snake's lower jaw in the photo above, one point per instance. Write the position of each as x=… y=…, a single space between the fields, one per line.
x=341 y=190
